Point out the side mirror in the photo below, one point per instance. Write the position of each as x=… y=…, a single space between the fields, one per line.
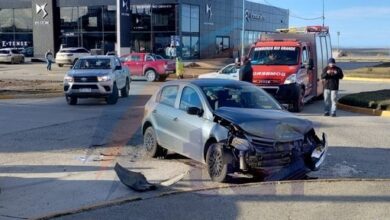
x=195 y=111
x=118 y=67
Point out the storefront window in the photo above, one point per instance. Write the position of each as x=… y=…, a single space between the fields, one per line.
x=163 y=17
x=141 y=17
x=190 y=47
x=16 y=29
x=92 y=27
x=190 y=18
x=222 y=43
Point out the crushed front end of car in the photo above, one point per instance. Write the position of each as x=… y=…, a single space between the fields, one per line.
x=275 y=145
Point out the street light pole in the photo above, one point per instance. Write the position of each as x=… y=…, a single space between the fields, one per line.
x=338 y=41
x=243 y=28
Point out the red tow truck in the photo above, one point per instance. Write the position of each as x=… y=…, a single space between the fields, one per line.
x=288 y=64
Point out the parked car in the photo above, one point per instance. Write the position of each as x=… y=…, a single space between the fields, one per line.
x=11 y=55
x=69 y=56
x=231 y=126
x=147 y=66
x=95 y=77
x=230 y=71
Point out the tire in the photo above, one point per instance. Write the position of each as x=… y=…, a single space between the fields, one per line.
x=125 y=90
x=71 y=100
x=22 y=60
x=60 y=65
x=153 y=150
x=12 y=61
x=217 y=167
x=162 y=78
x=297 y=105
x=113 y=98
x=151 y=75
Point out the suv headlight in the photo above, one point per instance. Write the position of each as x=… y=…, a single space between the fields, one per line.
x=104 y=78
x=68 y=79
x=291 y=79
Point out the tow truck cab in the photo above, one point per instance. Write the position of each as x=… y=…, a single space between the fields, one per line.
x=288 y=64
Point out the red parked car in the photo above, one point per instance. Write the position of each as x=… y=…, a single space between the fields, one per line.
x=149 y=66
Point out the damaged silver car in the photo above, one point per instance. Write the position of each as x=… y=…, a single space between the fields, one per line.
x=231 y=126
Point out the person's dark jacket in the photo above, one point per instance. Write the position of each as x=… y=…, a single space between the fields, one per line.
x=246 y=73
x=332 y=80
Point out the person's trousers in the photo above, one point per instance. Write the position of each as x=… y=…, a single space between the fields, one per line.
x=330 y=99
x=48 y=64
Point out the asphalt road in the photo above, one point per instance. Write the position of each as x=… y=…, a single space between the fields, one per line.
x=51 y=153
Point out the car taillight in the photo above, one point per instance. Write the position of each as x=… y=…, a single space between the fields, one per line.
x=69 y=55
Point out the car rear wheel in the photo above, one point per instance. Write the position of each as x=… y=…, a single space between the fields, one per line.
x=22 y=60
x=298 y=104
x=125 y=90
x=151 y=75
x=60 y=65
x=151 y=146
x=218 y=168
x=113 y=98
x=71 y=100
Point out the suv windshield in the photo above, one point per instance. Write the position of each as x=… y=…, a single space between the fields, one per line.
x=239 y=97
x=93 y=63
x=275 y=56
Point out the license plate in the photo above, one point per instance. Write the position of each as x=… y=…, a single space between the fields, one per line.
x=85 y=90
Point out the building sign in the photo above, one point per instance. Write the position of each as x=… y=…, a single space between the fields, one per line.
x=250 y=15
x=15 y=43
x=123 y=40
x=40 y=9
x=209 y=14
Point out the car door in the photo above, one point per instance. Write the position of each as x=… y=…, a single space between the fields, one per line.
x=135 y=64
x=189 y=128
x=164 y=117
x=118 y=72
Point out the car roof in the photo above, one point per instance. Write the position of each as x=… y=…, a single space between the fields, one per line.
x=73 y=48
x=208 y=82
x=97 y=57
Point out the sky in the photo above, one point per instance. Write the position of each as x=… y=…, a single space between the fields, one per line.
x=361 y=23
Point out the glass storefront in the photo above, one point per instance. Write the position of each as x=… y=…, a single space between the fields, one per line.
x=152 y=27
x=16 y=29
x=190 y=31
x=92 y=27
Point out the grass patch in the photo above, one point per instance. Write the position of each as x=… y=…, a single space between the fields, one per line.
x=379 y=71
x=379 y=100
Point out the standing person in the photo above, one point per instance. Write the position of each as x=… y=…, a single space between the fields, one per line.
x=49 y=59
x=331 y=74
x=246 y=71
x=179 y=68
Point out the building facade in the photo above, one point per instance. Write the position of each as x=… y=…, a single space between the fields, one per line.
x=196 y=28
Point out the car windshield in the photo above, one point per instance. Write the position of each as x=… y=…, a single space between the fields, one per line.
x=239 y=96
x=274 y=56
x=4 y=52
x=93 y=63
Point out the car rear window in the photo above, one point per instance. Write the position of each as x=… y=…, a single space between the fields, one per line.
x=168 y=95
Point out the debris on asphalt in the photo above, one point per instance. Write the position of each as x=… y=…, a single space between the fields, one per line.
x=133 y=180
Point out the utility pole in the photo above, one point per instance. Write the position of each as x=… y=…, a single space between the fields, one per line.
x=243 y=28
x=323 y=13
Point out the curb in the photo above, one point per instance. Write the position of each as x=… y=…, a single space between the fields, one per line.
x=366 y=111
x=383 y=80
x=171 y=193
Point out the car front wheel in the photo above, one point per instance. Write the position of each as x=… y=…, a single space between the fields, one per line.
x=125 y=90
x=113 y=98
x=218 y=168
x=151 y=146
x=71 y=100
x=151 y=75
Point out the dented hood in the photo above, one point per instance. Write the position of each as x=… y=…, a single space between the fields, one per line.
x=277 y=125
